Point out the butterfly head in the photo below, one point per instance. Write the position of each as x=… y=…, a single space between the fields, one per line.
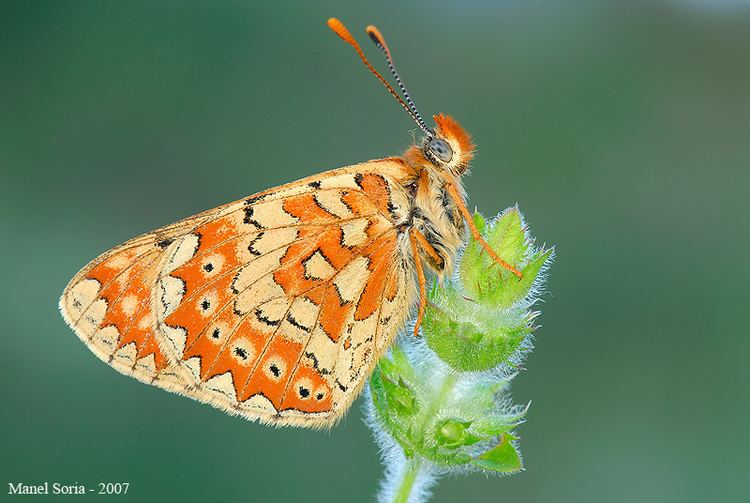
x=449 y=146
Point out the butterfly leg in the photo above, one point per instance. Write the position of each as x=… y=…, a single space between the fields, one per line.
x=413 y=233
x=453 y=192
x=428 y=249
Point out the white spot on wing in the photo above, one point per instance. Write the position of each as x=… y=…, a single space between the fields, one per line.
x=304 y=311
x=330 y=200
x=104 y=342
x=323 y=349
x=194 y=366
x=354 y=232
x=298 y=323
x=263 y=290
x=146 y=367
x=176 y=337
x=345 y=181
x=352 y=278
x=126 y=355
x=272 y=311
x=267 y=241
x=182 y=250
x=223 y=384
x=271 y=215
x=258 y=268
x=80 y=296
x=258 y=403
x=93 y=316
x=129 y=304
x=171 y=295
x=317 y=267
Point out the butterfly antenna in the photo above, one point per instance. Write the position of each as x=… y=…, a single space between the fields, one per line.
x=379 y=41
x=341 y=30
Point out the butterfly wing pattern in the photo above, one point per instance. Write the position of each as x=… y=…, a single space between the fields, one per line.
x=275 y=307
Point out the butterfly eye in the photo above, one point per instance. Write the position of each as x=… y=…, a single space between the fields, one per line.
x=441 y=149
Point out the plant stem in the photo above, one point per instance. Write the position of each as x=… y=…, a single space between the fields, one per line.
x=437 y=401
x=407 y=482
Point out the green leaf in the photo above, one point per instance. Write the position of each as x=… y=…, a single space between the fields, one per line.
x=502 y=458
x=453 y=433
x=402 y=364
x=390 y=410
x=480 y=399
x=470 y=269
x=507 y=237
x=473 y=340
x=515 y=290
x=400 y=396
x=496 y=426
x=479 y=221
x=388 y=368
x=379 y=396
x=483 y=278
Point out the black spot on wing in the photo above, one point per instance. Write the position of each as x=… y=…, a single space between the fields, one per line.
x=341 y=386
x=316 y=364
x=320 y=205
x=342 y=302
x=251 y=246
x=292 y=321
x=392 y=208
x=254 y=199
x=249 y=218
x=264 y=319
x=345 y=193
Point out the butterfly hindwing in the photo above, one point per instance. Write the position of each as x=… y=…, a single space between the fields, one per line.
x=274 y=308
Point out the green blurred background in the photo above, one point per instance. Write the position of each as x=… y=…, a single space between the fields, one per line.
x=621 y=128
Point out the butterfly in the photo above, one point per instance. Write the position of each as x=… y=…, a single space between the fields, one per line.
x=277 y=307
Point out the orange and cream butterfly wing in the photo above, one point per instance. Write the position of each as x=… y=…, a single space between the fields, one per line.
x=273 y=308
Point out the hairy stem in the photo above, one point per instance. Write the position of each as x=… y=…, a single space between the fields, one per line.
x=407 y=482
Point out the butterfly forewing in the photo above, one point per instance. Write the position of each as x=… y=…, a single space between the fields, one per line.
x=274 y=308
